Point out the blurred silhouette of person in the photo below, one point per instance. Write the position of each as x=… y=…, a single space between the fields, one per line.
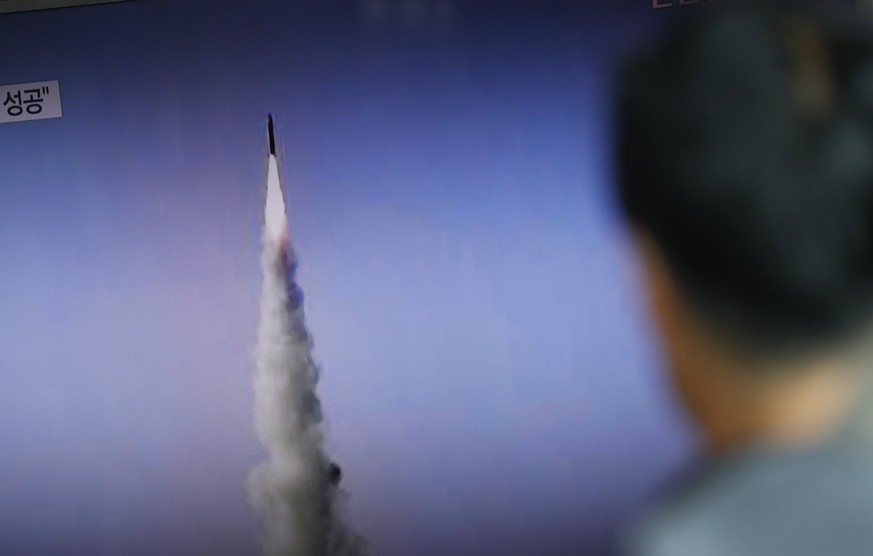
x=744 y=152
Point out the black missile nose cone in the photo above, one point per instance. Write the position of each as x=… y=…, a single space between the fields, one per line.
x=270 y=133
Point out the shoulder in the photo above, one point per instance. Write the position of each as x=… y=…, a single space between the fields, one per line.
x=769 y=506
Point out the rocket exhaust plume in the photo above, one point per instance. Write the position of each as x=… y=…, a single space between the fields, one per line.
x=296 y=491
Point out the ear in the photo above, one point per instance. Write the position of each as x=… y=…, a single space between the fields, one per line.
x=659 y=285
x=683 y=348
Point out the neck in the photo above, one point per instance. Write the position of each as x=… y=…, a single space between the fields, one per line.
x=789 y=410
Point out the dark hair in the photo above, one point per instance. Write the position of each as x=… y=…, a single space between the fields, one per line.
x=745 y=149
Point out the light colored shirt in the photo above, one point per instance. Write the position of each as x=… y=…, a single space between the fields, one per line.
x=765 y=502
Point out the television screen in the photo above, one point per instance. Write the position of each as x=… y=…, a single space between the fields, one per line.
x=402 y=320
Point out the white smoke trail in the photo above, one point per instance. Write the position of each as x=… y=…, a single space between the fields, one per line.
x=296 y=490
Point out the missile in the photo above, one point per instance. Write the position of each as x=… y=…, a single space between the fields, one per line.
x=276 y=225
x=275 y=221
x=270 y=134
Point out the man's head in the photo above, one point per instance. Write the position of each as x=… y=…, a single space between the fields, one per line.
x=745 y=168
